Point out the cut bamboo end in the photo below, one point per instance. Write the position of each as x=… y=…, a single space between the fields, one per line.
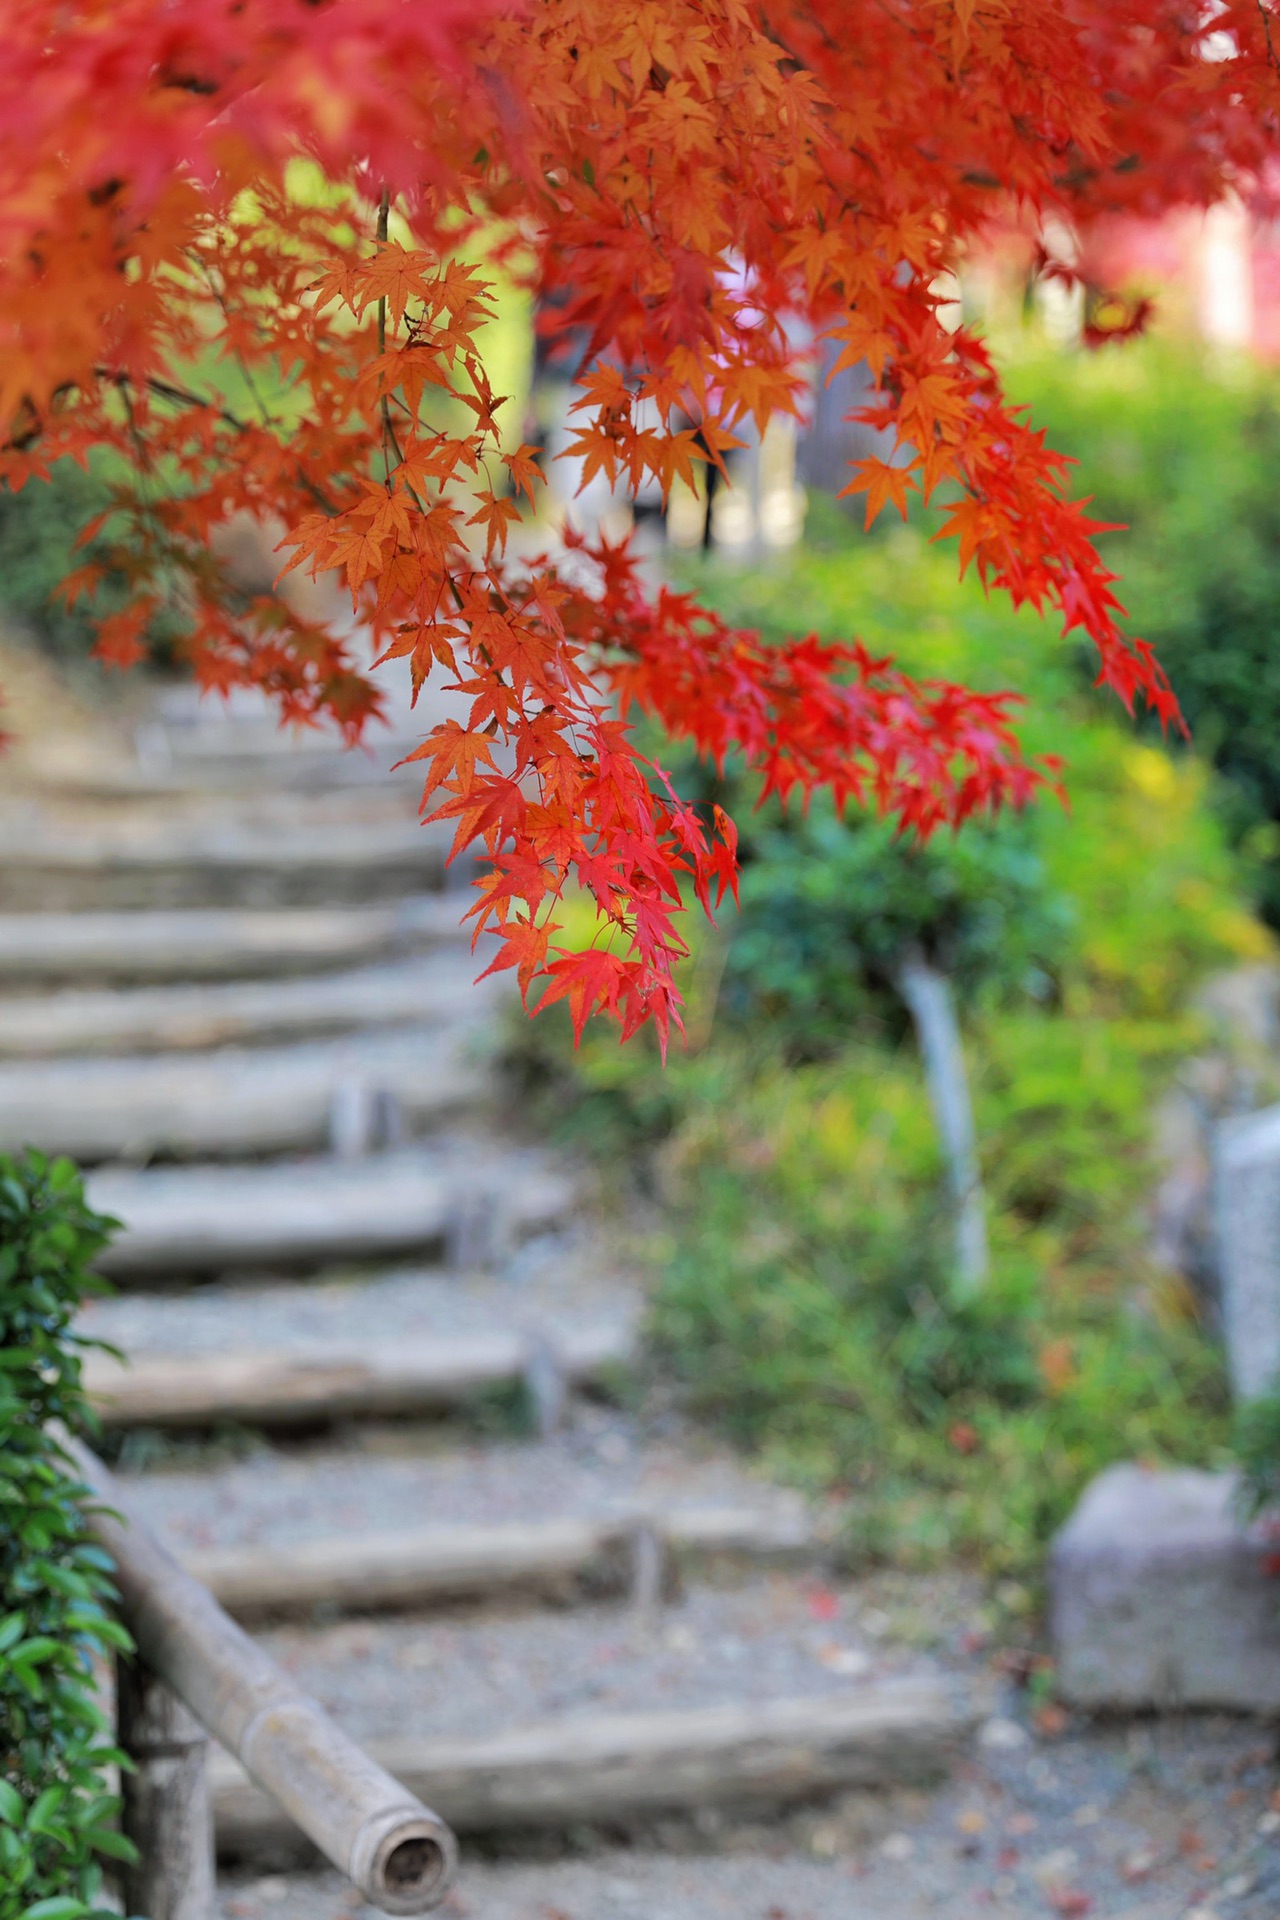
x=311 y=1775
x=405 y=1858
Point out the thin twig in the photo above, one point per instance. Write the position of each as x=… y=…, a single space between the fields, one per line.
x=185 y=397
x=388 y=432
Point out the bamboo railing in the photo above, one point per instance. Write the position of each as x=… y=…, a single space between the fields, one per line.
x=198 y=1674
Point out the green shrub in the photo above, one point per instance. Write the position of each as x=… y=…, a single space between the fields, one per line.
x=1257 y=1446
x=831 y=907
x=57 y=1816
x=1187 y=456
x=801 y=1278
x=38 y=529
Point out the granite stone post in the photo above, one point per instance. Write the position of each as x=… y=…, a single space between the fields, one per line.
x=1246 y=1223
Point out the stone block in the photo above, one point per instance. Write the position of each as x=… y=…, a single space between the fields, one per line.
x=1246 y=1210
x=1161 y=1598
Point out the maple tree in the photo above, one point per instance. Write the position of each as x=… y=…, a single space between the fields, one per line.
x=298 y=191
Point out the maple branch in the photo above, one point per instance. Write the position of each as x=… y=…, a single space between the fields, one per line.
x=1265 y=18
x=186 y=397
x=246 y=372
x=180 y=396
x=388 y=431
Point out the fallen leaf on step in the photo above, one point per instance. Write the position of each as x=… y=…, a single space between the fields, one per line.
x=1050 y=1720
x=849 y=1661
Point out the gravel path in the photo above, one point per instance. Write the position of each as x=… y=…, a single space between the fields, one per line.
x=490 y=1671
x=1168 y=1821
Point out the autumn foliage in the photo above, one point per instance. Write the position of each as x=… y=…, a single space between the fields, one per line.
x=295 y=190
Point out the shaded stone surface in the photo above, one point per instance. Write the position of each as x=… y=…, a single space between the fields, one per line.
x=1247 y=1232
x=1160 y=1597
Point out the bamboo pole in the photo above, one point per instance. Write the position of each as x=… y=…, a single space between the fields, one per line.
x=625 y=1766
x=399 y=1854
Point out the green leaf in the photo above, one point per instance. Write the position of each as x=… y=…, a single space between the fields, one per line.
x=107 y=1840
x=45 y=1806
x=91 y=1556
x=30 y=1653
x=56 y=1583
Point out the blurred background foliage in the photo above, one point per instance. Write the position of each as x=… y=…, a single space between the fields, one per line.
x=40 y=524
x=1186 y=455
x=800 y=1246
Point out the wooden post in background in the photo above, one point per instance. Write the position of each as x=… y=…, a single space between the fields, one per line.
x=167 y=1810
x=929 y=1000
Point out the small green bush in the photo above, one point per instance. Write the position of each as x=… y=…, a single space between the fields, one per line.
x=38 y=529
x=57 y=1816
x=831 y=907
x=1257 y=1445
x=801 y=1276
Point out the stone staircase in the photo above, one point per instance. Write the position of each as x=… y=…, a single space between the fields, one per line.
x=376 y=1348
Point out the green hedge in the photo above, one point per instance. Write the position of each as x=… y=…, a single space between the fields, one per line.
x=57 y=1816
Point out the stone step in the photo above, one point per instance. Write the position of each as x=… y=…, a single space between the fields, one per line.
x=727 y=1694
x=1086 y=1825
x=287 y=1495
x=1163 y=1596
x=351 y=1093
x=575 y=1769
x=556 y=1280
x=296 y=1385
x=227 y=760
x=211 y=1219
x=48 y=869
x=54 y=949
x=436 y=988
x=639 y=1552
